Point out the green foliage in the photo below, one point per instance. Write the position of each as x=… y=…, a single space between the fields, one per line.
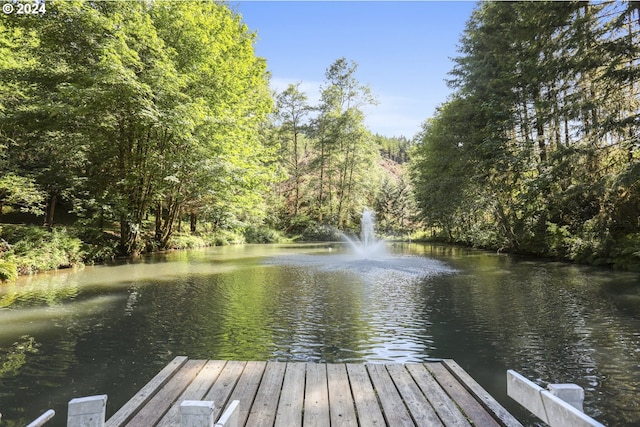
x=396 y=149
x=625 y=252
x=394 y=206
x=97 y=246
x=332 y=165
x=441 y=169
x=262 y=234
x=34 y=249
x=559 y=239
x=139 y=115
x=537 y=150
x=315 y=232
x=202 y=240
x=8 y=270
x=224 y=237
x=129 y=108
x=186 y=241
x=20 y=191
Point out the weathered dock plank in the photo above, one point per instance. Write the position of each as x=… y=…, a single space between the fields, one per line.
x=316 y=402
x=292 y=397
x=247 y=388
x=419 y=407
x=483 y=396
x=125 y=413
x=223 y=387
x=394 y=410
x=159 y=404
x=364 y=396
x=471 y=407
x=444 y=406
x=195 y=391
x=341 y=409
x=263 y=411
x=278 y=394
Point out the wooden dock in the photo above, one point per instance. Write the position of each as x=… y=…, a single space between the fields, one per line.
x=317 y=394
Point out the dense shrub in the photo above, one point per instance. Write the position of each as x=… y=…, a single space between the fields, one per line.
x=34 y=249
x=262 y=234
x=297 y=224
x=8 y=270
x=320 y=233
x=222 y=238
x=97 y=246
x=191 y=241
x=186 y=241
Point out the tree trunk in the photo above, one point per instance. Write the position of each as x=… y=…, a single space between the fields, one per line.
x=540 y=136
x=320 y=193
x=173 y=212
x=296 y=171
x=128 y=237
x=158 y=231
x=51 y=210
x=193 y=221
x=101 y=219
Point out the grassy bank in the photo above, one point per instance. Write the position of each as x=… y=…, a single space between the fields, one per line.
x=30 y=249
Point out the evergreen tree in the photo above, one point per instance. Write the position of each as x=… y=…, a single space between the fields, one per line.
x=548 y=144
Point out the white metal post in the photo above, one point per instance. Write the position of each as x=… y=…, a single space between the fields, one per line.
x=39 y=422
x=196 y=413
x=230 y=417
x=87 y=411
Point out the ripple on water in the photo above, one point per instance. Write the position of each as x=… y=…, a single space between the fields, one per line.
x=379 y=268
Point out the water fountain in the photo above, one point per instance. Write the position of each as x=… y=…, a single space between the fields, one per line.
x=368 y=257
x=368 y=232
x=368 y=246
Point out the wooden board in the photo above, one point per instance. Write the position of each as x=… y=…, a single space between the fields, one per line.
x=224 y=385
x=278 y=394
x=421 y=411
x=195 y=391
x=263 y=411
x=289 y=412
x=393 y=407
x=442 y=404
x=470 y=406
x=316 y=396
x=341 y=410
x=481 y=394
x=364 y=396
x=159 y=404
x=246 y=388
x=130 y=408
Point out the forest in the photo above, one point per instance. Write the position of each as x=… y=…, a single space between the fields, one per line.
x=537 y=150
x=122 y=124
x=134 y=126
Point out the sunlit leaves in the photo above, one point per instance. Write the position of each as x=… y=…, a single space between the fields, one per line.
x=551 y=94
x=20 y=192
x=155 y=102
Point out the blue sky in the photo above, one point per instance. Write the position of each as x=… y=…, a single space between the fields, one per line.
x=403 y=50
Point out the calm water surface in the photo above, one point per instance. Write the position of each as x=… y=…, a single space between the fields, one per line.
x=109 y=329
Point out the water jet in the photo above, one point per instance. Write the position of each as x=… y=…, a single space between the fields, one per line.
x=368 y=246
x=368 y=258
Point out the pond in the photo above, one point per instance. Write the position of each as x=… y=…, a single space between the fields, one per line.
x=109 y=329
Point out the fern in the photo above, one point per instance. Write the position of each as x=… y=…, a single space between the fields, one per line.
x=8 y=271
